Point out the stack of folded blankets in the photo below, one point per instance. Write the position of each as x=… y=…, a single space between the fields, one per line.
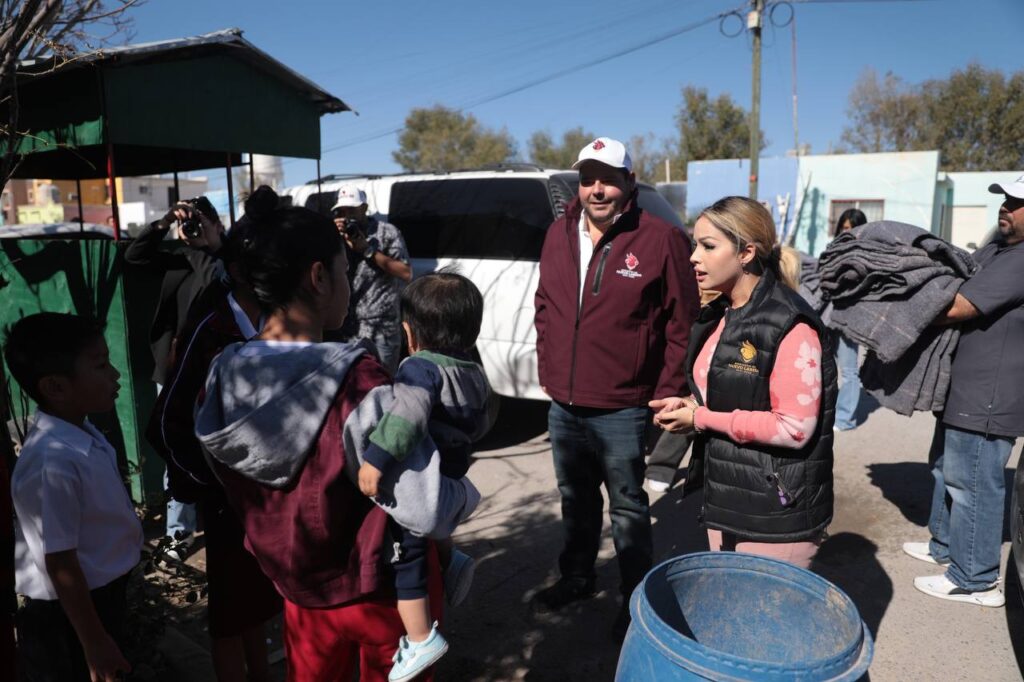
x=810 y=287
x=887 y=282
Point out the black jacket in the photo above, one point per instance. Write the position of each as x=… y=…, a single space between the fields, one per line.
x=760 y=492
x=187 y=271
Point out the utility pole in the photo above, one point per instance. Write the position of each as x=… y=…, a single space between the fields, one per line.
x=755 y=19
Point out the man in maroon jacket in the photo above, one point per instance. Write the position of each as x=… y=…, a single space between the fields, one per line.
x=616 y=300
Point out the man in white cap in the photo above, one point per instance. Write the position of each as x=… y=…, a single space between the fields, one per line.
x=614 y=306
x=378 y=265
x=983 y=417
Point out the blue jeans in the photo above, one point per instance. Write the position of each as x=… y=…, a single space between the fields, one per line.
x=966 y=521
x=593 y=447
x=849 y=390
x=181 y=517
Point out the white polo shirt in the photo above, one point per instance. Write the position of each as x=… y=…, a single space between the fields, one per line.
x=586 y=252
x=68 y=494
x=587 y=249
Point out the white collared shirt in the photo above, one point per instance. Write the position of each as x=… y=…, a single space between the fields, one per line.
x=586 y=251
x=242 y=320
x=68 y=494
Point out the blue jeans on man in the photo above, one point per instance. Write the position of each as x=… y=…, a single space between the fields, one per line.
x=849 y=389
x=592 y=447
x=966 y=520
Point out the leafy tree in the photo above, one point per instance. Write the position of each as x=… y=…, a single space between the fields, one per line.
x=443 y=139
x=544 y=151
x=31 y=28
x=649 y=154
x=885 y=115
x=710 y=129
x=973 y=117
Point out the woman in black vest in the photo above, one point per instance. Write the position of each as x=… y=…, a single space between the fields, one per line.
x=764 y=394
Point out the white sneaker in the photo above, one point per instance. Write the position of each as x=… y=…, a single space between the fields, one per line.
x=921 y=551
x=941 y=587
x=656 y=486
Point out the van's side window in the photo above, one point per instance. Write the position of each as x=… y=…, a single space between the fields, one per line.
x=322 y=202
x=503 y=219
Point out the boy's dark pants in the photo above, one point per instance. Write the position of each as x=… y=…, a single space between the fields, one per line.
x=48 y=648
x=668 y=452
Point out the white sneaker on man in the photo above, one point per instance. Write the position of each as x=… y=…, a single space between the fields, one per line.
x=920 y=550
x=940 y=586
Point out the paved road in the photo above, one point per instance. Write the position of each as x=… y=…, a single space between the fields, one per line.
x=883 y=487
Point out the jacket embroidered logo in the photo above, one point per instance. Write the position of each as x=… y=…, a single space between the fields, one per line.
x=748 y=352
x=632 y=261
x=598 y=145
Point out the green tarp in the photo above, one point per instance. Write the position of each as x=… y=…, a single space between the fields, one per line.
x=88 y=277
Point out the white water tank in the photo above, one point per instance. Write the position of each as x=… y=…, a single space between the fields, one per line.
x=268 y=170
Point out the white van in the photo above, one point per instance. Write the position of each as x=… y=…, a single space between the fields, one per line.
x=489 y=224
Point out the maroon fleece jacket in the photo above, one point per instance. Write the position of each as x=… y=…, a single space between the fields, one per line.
x=626 y=343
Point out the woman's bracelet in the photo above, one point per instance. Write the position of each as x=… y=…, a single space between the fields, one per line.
x=693 y=418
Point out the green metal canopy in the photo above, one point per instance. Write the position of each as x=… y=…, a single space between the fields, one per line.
x=163 y=107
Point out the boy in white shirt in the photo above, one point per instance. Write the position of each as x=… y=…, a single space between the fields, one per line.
x=77 y=535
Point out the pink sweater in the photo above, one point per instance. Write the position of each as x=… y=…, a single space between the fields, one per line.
x=795 y=394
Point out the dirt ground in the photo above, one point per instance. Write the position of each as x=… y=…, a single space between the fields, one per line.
x=883 y=490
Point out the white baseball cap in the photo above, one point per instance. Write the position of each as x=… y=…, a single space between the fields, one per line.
x=608 y=151
x=349 y=196
x=1013 y=189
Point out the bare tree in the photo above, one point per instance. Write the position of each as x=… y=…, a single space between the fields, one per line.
x=61 y=28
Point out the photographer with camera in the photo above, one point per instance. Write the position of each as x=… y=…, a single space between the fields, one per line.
x=378 y=265
x=188 y=272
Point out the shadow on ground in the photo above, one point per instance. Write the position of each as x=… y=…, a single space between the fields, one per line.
x=498 y=637
x=851 y=562
x=518 y=421
x=908 y=486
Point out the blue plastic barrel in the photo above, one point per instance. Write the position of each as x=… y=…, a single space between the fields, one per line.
x=732 y=616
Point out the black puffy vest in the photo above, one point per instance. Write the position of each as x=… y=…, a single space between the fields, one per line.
x=760 y=492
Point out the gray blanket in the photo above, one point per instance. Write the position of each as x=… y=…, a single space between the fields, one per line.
x=887 y=282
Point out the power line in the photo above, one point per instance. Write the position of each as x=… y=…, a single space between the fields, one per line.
x=554 y=75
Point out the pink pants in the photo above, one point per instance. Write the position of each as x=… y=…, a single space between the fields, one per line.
x=797 y=553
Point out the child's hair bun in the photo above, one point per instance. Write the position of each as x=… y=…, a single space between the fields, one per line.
x=261 y=203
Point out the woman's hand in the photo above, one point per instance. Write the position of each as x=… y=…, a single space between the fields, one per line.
x=675 y=415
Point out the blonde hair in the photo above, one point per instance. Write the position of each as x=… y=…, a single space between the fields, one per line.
x=748 y=222
x=789 y=267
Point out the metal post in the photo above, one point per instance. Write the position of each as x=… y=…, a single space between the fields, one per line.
x=231 y=193
x=318 y=190
x=796 y=128
x=111 y=178
x=754 y=21
x=177 y=189
x=252 y=176
x=81 y=212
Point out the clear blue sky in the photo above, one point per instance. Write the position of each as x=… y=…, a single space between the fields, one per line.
x=385 y=57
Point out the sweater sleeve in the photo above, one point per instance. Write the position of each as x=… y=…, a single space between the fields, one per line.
x=406 y=422
x=795 y=398
x=681 y=303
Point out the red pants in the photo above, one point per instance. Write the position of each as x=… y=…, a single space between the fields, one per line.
x=331 y=644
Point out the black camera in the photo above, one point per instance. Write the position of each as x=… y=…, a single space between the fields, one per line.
x=191 y=227
x=353 y=228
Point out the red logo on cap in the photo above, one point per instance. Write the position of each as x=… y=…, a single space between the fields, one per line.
x=598 y=145
x=632 y=261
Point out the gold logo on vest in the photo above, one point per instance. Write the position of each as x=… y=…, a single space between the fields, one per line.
x=748 y=352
